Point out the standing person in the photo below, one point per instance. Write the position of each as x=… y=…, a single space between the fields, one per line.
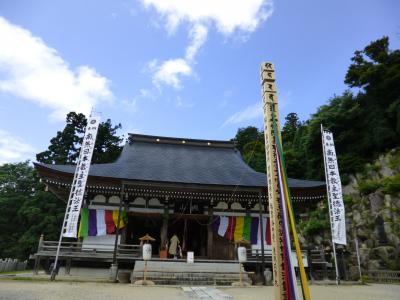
x=173 y=245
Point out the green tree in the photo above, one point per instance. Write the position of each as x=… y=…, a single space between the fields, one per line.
x=290 y=128
x=291 y=133
x=254 y=155
x=250 y=142
x=26 y=211
x=64 y=147
x=246 y=135
x=376 y=72
x=366 y=124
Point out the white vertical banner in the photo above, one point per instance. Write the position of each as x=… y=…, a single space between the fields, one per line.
x=78 y=185
x=334 y=185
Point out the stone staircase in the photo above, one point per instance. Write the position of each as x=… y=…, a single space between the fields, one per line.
x=182 y=273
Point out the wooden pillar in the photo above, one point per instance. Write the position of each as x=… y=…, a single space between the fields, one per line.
x=164 y=228
x=37 y=259
x=124 y=231
x=210 y=233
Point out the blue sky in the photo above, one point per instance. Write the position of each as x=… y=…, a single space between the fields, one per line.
x=180 y=68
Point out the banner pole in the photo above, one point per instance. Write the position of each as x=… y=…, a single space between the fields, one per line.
x=77 y=193
x=358 y=255
x=329 y=205
x=54 y=270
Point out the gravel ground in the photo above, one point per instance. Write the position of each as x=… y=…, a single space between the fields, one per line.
x=24 y=290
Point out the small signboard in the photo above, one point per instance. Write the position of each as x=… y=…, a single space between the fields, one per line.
x=190 y=257
x=188 y=207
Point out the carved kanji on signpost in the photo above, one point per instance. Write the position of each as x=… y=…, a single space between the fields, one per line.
x=270 y=104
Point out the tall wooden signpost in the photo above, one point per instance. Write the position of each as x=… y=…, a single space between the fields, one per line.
x=270 y=104
x=280 y=207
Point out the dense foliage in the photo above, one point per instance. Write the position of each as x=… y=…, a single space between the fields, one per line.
x=26 y=211
x=365 y=121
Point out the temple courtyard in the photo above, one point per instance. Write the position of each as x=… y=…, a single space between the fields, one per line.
x=32 y=289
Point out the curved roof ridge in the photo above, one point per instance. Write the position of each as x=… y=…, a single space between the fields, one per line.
x=179 y=141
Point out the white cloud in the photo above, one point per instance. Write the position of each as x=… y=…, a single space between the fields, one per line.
x=249 y=113
x=169 y=72
x=31 y=70
x=13 y=149
x=228 y=16
x=198 y=36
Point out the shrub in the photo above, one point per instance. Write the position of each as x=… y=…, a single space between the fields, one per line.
x=347 y=200
x=314 y=226
x=391 y=185
x=394 y=161
x=368 y=186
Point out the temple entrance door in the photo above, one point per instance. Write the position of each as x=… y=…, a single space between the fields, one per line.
x=196 y=234
x=138 y=226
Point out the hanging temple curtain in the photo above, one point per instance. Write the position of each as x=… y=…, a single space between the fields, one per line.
x=98 y=222
x=236 y=228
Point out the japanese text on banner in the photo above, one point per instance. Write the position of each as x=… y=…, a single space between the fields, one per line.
x=80 y=178
x=336 y=207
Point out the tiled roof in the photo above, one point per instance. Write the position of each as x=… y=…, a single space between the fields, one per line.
x=160 y=159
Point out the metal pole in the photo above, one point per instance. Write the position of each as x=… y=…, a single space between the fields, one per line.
x=330 y=208
x=54 y=270
x=240 y=274
x=358 y=255
x=145 y=273
x=262 y=238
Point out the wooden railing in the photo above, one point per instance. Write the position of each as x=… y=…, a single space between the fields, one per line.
x=255 y=255
x=77 y=249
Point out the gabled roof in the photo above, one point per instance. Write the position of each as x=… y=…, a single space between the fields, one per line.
x=177 y=160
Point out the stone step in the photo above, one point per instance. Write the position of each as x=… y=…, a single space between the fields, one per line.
x=188 y=275
x=180 y=281
x=186 y=267
x=182 y=273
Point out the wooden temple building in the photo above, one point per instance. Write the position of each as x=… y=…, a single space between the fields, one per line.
x=171 y=185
